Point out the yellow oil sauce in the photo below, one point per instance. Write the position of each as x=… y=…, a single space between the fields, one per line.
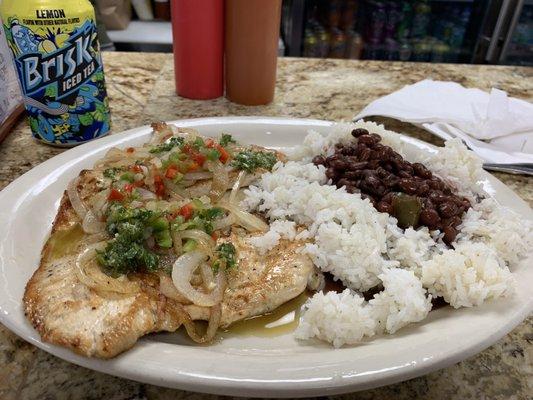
x=282 y=320
x=65 y=241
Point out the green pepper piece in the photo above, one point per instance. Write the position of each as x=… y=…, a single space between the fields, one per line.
x=198 y=143
x=406 y=209
x=189 y=245
x=128 y=177
x=178 y=177
x=213 y=155
x=197 y=204
x=163 y=239
x=226 y=256
x=159 y=224
x=111 y=173
x=226 y=139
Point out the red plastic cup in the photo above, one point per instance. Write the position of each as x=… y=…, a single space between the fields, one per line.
x=198 y=36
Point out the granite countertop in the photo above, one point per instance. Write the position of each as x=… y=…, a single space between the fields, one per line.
x=141 y=90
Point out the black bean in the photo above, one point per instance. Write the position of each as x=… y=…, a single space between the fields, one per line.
x=404 y=174
x=391 y=181
x=388 y=198
x=385 y=207
x=378 y=147
x=359 y=132
x=388 y=166
x=447 y=209
x=331 y=173
x=436 y=196
x=369 y=140
x=349 y=150
x=447 y=191
x=319 y=160
x=377 y=137
x=457 y=200
x=449 y=234
x=427 y=203
x=408 y=185
x=372 y=180
x=338 y=164
x=423 y=189
x=454 y=221
x=406 y=166
x=351 y=189
x=382 y=154
x=422 y=171
x=395 y=156
x=382 y=172
x=353 y=174
x=343 y=182
x=429 y=217
x=397 y=164
x=360 y=148
x=364 y=154
x=374 y=164
x=369 y=172
x=358 y=165
x=436 y=183
x=379 y=190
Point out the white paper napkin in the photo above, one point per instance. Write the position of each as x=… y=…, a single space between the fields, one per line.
x=497 y=127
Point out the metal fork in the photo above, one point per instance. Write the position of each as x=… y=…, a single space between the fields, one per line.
x=519 y=169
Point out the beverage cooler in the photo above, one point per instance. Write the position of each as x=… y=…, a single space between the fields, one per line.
x=467 y=31
x=517 y=46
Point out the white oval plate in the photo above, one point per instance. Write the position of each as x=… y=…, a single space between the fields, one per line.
x=246 y=366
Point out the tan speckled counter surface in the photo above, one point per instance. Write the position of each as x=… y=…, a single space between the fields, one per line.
x=141 y=90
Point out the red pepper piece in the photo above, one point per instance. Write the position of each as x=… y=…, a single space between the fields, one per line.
x=115 y=195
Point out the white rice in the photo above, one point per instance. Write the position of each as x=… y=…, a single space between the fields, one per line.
x=338 y=318
x=345 y=318
x=411 y=247
x=401 y=302
x=499 y=227
x=278 y=229
x=349 y=238
x=468 y=275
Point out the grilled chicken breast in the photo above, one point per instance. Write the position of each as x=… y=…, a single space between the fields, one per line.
x=68 y=313
x=260 y=283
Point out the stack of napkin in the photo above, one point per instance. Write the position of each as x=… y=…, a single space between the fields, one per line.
x=498 y=128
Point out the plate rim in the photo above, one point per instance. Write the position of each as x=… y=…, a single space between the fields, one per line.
x=253 y=388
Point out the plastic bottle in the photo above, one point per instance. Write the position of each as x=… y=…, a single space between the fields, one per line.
x=378 y=18
x=337 y=47
x=403 y=29
x=252 y=34
x=354 y=48
x=421 y=19
x=198 y=35
x=323 y=42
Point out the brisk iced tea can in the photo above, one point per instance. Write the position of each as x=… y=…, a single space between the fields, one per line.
x=56 y=53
